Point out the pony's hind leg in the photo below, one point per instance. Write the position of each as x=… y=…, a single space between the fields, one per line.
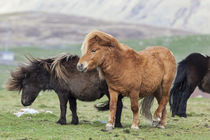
x=159 y=119
x=160 y=114
x=158 y=96
x=162 y=122
x=73 y=108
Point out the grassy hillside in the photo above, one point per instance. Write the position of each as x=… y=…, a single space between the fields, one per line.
x=51 y=29
x=181 y=46
x=42 y=126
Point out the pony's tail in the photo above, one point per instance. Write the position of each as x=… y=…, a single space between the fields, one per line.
x=178 y=87
x=102 y=106
x=146 y=105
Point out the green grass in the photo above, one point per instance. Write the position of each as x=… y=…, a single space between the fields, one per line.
x=43 y=126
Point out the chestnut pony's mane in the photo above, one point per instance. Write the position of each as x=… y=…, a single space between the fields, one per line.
x=105 y=39
x=52 y=65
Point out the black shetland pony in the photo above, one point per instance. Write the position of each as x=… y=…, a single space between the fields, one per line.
x=60 y=74
x=193 y=71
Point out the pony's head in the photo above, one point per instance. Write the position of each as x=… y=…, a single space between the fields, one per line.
x=30 y=79
x=95 y=47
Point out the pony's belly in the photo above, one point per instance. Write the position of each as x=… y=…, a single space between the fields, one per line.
x=147 y=91
x=90 y=96
x=149 y=87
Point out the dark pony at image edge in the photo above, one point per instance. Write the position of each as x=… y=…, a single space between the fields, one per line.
x=193 y=71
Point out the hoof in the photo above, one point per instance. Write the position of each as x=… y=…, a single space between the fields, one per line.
x=160 y=126
x=155 y=121
x=118 y=125
x=75 y=122
x=135 y=127
x=109 y=126
x=62 y=122
x=182 y=115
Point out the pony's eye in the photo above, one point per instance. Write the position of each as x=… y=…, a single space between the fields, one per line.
x=93 y=50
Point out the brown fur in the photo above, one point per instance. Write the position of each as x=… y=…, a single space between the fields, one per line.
x=60 y=75
x=132 y=74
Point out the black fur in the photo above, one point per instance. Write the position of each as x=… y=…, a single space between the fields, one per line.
x=191 y=72
x=60 y=74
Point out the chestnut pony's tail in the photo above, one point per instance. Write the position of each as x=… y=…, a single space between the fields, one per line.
x=146 y=105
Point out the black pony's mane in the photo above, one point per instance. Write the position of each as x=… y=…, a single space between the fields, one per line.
x=55 y=66
x=58 y=66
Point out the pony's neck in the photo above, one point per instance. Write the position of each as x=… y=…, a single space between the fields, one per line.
x=46 y=82
x=117 y=62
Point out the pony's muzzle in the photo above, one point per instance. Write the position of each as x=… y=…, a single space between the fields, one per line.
x=80 y=67
x=25 y=103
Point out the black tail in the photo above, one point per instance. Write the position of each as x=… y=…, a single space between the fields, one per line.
x=178 y=88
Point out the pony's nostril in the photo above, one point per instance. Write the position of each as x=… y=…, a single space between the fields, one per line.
x=23 y=102
x=80 y=67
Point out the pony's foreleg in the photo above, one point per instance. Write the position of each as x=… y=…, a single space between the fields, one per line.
x=73 y=108
x=112 y=107
x=118 y=112
x=183 y=103
x=134 y=98
x=63 y=101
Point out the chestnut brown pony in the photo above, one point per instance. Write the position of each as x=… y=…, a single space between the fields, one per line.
x=130 y=73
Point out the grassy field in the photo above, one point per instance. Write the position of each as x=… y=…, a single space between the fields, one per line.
x=43 y=126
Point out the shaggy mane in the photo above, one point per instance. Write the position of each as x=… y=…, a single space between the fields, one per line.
x=58 y=69
x=15 y=81
x=52 y=65
x=103 y=36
